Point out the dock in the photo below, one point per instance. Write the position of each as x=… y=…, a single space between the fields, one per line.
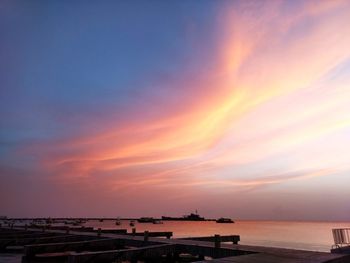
x=77 y=246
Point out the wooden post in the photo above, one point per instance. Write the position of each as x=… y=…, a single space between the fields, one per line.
x=217 y=241
x=235 y=240
x=145 y=237
x=99 y=232
x=133 y=230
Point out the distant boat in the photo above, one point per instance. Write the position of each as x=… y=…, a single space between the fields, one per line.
x=190 y=217
x=118 y=222
x=146 y=220
x=224 y=220
x=132 y=223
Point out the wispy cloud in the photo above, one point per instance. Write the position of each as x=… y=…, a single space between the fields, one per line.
x=269 y=90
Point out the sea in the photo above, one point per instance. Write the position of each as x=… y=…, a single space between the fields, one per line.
x=312 y=236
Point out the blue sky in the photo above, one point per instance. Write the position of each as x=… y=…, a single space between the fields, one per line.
x=202 y=101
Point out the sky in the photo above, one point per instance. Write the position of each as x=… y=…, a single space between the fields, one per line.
x=135 y=108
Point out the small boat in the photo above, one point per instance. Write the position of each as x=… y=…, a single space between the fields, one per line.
x=145 y=220
x=118 y=222
x=224 y=220
x=132 y=223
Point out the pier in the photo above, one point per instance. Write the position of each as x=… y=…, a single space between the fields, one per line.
x=96 y=245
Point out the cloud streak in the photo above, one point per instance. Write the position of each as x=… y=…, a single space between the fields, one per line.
x=266 y=98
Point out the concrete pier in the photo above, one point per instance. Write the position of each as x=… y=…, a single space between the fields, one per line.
x=88 y=245
x=149 y=252
x=154 y=234
x=230 y=238
x=41 y=240
x=112 y=247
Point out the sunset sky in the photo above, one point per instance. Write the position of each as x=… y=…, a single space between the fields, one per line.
x=147 y=108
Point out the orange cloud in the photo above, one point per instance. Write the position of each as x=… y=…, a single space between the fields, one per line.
x=261 y=60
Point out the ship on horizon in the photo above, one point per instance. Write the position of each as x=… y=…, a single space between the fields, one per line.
x=190 y=217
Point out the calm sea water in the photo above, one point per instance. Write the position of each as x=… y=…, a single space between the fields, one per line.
x=315 y=236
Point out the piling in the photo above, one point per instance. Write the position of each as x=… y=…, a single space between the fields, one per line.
x=217 y=241
x=146 y=235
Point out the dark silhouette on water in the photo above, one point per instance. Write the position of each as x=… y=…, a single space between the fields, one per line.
x=190 y=217
x=225 y=220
